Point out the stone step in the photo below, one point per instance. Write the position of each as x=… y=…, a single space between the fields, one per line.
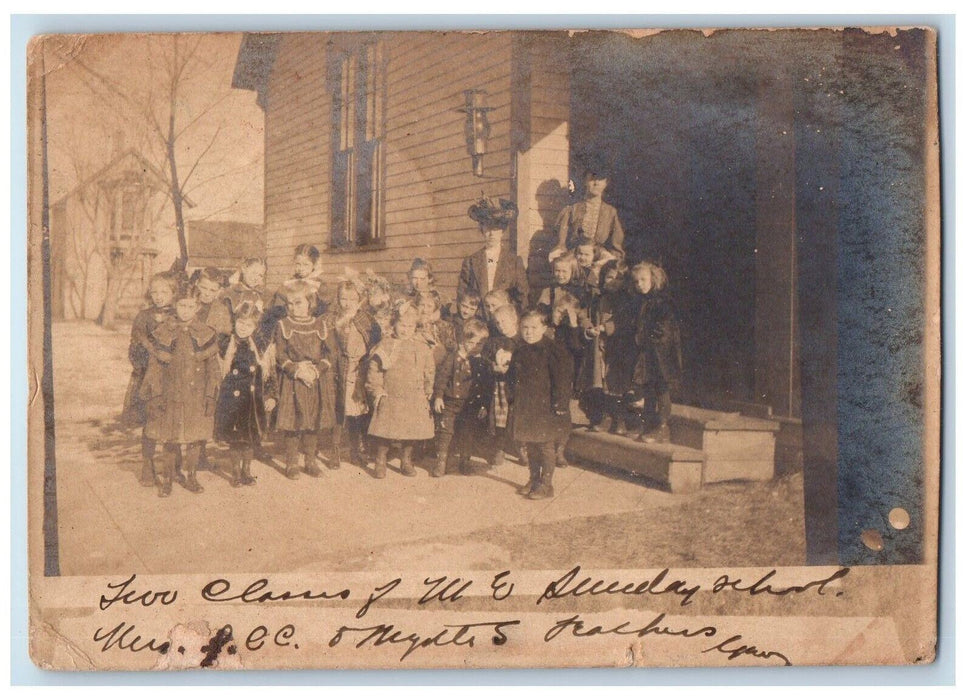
x=675 y=467
x=735 y=446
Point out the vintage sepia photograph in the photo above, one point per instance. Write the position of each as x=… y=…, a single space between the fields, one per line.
x=331 y=326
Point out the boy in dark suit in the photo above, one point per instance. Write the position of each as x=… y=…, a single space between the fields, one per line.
x=456 y=395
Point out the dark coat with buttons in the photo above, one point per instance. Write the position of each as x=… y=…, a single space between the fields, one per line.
x=181 y=384
x=458 y=377
x=541 y=384
x=240 y=415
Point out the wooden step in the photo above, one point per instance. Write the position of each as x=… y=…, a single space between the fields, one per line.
x=676 y=467
x=735 y=446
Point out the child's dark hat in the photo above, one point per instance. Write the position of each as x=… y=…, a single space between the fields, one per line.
x=493 y=212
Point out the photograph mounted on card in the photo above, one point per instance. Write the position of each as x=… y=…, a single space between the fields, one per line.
x=483 y=349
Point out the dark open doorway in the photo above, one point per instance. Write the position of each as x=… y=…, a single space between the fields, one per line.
x=681 y=154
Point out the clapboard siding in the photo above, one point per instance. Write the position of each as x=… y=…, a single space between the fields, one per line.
x=428 y=180
x=544 y=167
x=296 y=151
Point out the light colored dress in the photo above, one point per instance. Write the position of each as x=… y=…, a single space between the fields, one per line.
x=399 y=382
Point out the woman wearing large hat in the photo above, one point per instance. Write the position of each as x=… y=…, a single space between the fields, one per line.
x=494 y=266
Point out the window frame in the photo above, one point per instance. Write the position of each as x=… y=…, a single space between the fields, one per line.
x=351 y=91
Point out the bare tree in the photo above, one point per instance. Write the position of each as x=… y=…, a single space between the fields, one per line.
x=89 y=238
x=166 y=104
x=166 y=115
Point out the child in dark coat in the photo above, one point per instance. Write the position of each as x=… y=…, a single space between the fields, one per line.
x=354 y=332
x=306 y=395
x=657 y=336
x=247 y=393
x=598 y=386
x=180 y=388
x=456 y=398
x=161 y=291
x=210 y=282
x=540 y=390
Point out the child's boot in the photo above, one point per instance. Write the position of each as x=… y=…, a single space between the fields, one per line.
x=178 y=474
x=310 y=444
x=439 y=469
x=203 y=464
x=406 y=463
x=164 y=481
x=382 y=454
x=246 y=466
x=147 y=473
x=465 y=465
x=148 y=477
x=236 y=469
x=291 y=456
x=192 y=457
x=335 y=459
x=544 y=489
x=357 y=441
x=524 y=456
x=561 y=455
x=618 y=423
x=532 y=483
x=443 y=441
x=659 y=435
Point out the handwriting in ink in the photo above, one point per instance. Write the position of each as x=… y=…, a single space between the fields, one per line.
x=450 y=635
x=377 y=593
x=567 y=585
x=501 y=589
x=126 y=638
x=254 y=640
x=122 y=594
x=578 y=628
x=217 y=592
x=762 y=585
x=734 y=650
x=444 y=589
x=214 y=646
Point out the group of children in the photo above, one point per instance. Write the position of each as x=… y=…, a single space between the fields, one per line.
x=376 y=368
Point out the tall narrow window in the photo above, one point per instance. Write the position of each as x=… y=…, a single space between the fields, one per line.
x=357 y=85
x=128 y=210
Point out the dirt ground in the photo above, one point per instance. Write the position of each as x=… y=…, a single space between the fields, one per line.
x=349 y=521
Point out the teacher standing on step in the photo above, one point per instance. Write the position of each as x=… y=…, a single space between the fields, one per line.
x=494 y=266
x=590 y=220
